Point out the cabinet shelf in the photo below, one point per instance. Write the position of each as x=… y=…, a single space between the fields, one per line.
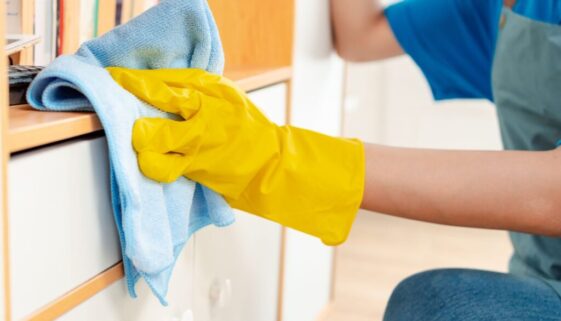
x=30 y=128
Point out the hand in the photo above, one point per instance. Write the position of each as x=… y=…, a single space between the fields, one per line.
x=301 y=179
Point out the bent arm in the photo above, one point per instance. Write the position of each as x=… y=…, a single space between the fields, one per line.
x=361 y=31
x=508 y=190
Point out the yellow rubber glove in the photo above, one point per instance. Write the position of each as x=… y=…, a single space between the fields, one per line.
x=298 y=178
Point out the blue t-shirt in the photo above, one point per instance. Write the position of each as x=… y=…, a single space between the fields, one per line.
x=453 y=41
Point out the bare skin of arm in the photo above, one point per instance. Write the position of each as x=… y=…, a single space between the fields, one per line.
x=519 y=191
x=361 y=31
x=508 y=190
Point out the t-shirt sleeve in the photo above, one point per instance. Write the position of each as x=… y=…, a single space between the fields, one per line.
x=452 y=41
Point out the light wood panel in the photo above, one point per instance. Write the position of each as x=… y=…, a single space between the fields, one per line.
x=4 y=157
x=31 y=128
x=79 y=294
x=250 y=79
x=255 y=33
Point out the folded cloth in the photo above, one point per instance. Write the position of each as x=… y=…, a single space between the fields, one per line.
x=154 y=220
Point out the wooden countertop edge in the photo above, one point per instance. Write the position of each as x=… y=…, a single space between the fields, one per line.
x=30 y=128
x=79 y=294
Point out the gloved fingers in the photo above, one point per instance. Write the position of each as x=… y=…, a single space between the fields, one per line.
x=221 y=88
x=201 y=81
x=163 y=136
x=157 y=92
x=165 y=168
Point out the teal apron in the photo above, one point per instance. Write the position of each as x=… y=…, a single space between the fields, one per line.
x=527 y=93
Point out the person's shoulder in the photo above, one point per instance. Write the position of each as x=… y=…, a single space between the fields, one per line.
x=482 y=8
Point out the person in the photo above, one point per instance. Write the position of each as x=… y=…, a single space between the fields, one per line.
x=508 y=52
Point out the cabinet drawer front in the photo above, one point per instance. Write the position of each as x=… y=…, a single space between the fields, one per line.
x=237 y=271
x=272 y=102
x=114 y=303
x=61 y=224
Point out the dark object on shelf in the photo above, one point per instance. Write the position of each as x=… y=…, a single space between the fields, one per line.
x=19 y=79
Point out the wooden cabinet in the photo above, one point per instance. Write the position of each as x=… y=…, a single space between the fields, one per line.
x=237 y=268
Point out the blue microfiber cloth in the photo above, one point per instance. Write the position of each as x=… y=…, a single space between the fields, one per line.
x=154 y=220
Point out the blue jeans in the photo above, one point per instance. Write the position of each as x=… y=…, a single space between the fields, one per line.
x=472 y=295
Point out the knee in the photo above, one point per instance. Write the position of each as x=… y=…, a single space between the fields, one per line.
x=463 y=294
x=422 y=297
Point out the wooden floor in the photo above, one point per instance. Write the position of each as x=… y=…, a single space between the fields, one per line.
x=383 y=250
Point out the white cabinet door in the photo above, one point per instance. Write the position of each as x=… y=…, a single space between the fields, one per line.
x=237 y=271
x=237 y=267
x=62 y=231
x=114 y=303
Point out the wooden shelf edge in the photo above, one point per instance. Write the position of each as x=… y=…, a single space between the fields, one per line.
x=30 y=128
x=250 y=80
x=78 y=295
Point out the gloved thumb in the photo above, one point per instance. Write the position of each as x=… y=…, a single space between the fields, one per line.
x=163 y=136
x=165 y=168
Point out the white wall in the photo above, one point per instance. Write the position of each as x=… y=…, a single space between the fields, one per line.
x=390 y=102
x=316 y=104
x=318 y=72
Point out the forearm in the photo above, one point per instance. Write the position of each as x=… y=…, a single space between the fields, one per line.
x=517 y=190
x=361 y=31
